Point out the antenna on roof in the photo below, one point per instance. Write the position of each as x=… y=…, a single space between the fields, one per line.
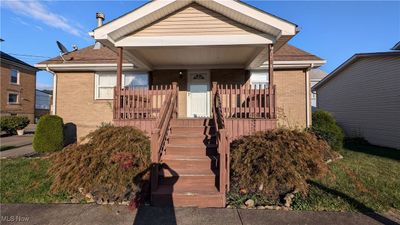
x=64 y=50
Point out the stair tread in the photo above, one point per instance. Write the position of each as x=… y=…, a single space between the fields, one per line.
x=191 y=134
x=169 y=189
x=189 y=126
x=187 y=157
x=188 y=172
x=191 y=146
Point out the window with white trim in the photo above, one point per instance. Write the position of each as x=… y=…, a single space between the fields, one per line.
x=14 y=76
x=258 y=78
x=13 y=98
x=106 y=81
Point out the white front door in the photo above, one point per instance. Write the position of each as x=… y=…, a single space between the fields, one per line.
x=198 y=95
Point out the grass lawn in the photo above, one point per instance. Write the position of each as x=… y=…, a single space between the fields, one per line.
x=24 y=180
x=366 y=179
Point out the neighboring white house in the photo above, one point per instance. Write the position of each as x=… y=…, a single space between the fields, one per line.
x=364 y=96
x=316 y=75
x=42 y=103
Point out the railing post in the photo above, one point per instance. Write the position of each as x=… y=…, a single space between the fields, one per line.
x=214 y=87
x=154 y=158
x=222 y=161
x=175 y=94
x=119 y=83
x=271 y=64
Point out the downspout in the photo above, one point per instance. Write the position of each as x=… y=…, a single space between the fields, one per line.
x=53 y=110
x=308 y=90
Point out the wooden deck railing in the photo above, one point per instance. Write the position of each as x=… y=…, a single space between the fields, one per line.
x=161 y=131
x=222 y=141
x=248 y=102
x=139 y=103
x=238 y=111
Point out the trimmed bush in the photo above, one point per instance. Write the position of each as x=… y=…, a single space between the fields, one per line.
x=49 y=134
x=268 y=165
x=324 y=125
x=112 y=165
x=11 y=124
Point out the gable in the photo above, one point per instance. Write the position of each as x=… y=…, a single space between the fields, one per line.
x=195 y=20
x=243 y=16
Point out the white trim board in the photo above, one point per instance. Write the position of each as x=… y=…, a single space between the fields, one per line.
x=192 y=40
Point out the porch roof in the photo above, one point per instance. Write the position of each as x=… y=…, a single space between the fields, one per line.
x=105 y=58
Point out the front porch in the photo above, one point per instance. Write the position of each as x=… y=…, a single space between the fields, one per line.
x=200 y=94
x=192 y=115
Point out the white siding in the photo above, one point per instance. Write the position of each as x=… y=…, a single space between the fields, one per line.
x=365 y=99
x=195 y=20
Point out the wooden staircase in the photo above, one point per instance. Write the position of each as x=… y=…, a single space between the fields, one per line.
x=188 y=171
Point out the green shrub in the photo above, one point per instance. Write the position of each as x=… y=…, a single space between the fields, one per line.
x=11 y=124
x=324 y=125
x=273 y=163
x=112 y=165
x=49 y=134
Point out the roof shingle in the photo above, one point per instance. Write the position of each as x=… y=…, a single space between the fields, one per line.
x=8 y=57
x=290 y=53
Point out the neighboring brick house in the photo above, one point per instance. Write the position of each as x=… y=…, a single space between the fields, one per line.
x=180 y=69
x=18 y=83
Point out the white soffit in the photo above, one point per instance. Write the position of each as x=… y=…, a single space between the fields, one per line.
x=158 y=9
x=201 y=40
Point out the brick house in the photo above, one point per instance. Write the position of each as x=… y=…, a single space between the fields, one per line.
x=18 y=83
x=194 y=75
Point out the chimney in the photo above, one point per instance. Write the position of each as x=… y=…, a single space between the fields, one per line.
x=100 y=18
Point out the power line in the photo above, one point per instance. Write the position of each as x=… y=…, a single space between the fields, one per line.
x=32 y=56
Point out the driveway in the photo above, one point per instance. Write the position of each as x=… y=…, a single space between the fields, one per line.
x=83 y=214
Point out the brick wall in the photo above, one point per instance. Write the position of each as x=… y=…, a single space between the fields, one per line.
x=25 y=89
x=291 y=98
x=76 y=103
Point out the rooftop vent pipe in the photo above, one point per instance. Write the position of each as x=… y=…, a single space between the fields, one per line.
x=100 y=18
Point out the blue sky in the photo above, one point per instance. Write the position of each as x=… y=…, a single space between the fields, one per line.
x=331 y=30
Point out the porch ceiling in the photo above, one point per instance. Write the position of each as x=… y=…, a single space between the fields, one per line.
x=196 y=57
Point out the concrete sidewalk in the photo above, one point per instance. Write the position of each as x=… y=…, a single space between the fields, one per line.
x=85 y=214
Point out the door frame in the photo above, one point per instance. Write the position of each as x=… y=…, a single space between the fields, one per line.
x=188 y=99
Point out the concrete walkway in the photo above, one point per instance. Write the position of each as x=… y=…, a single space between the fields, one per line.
x=75 y=214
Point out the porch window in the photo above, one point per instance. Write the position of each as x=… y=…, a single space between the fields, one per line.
x=14 y=76
x=258 y=78
x=106 y=81
x=136 y=80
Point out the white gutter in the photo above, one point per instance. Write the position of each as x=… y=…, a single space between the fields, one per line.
x=53 y=110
